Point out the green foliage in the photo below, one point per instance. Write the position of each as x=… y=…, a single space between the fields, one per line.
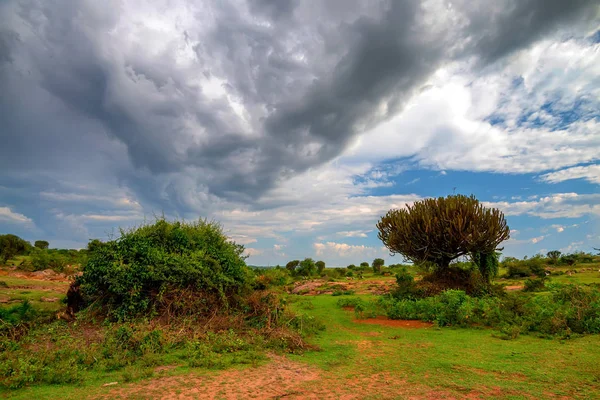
x=307 y=267
x=364 y=265
x=47 y=259
x=12 y=245
x=377 y=264
x=566 y=310
x=406 y=288
x=553 y=256
x=94 y=244
x=568 y=259
x=292 y=265
x=351 y=267
x=41 y=244
x=523 y=268
x=343 y=293
x=15 y=316
x=535 y=285
x=362 y=308
x=173 y=267
x=320 y=266
x=269 y=277
x=487 y=263
x=440 y=230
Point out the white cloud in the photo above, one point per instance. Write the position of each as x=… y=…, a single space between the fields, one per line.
x=347 y=251
x=560 y=205
x=7 y=215
x=574 y=246
x=252 y=252
x=531 y=136
x=537 y=239
x=590 y=173
x=354 y=233
x=116 y=199
x=242 y=239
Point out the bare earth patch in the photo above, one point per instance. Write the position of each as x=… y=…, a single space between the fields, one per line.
x=280 y=378
x=396 y=323
x=284 y=379
x=514 y=287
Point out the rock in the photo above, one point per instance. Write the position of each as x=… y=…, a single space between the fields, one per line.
x=111 y=383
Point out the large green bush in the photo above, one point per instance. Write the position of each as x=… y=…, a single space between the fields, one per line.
x=166 y=267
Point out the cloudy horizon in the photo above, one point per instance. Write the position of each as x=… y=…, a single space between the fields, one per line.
x=297 y=125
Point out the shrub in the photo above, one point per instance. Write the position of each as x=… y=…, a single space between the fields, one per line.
x=535 y=285
x=173 y=267
x=566 y=310
x=343 y=292
x=272 y=277
x=517 y=270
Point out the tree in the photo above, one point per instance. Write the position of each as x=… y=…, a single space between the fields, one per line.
x=487 y=263
x=364 y=265
x=292 y=265
x=94 y=244
x=554 y=256
x=320 y=266
x=377 y=264
x=439 y=230
x=307 y=267
x=351 y=267
x=568 y=259
x=41 y=244
x=12 y=245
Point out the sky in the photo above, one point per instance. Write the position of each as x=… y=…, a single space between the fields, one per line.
x=298 y=124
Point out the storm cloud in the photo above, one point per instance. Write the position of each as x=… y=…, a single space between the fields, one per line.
x=184 y=106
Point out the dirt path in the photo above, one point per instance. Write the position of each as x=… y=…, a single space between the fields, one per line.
x=281 y=378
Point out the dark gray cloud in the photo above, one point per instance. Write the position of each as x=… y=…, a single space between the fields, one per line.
x=224 y=100
x=502 y=27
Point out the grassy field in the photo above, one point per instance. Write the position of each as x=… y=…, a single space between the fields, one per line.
x=354 y=359
x=454 y=361
x=43 y=295
x=376 y=362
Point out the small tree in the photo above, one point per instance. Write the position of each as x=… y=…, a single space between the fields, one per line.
x=94 y=244
x=377 y=264
x=351 y=267
x=41 y=244
x=292 y=265
x=364 y=265
x=320 y=266
x=440 y=230
x=307 y=267
x=554 y=256
x=12 y=245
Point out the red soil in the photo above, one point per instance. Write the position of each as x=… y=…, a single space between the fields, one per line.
x=396 y=323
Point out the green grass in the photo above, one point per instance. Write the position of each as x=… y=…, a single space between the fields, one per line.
x=19 y=290
x=447 y=361
x=455 y=360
